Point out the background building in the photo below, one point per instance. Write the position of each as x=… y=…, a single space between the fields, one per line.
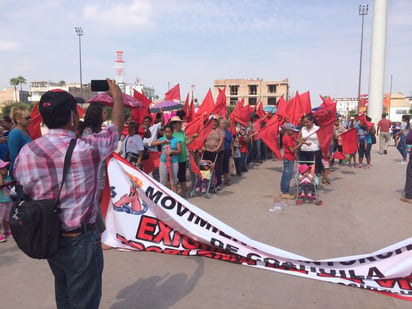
x=252 y=90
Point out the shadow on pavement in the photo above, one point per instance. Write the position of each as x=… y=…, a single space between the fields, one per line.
x=157 y=291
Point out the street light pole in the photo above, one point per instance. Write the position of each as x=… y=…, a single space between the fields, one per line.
x=363 y=10
x=79 y=32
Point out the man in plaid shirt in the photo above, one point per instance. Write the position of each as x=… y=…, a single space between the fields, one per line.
x=78 y=264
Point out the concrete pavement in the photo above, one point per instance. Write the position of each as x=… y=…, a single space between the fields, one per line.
x=361 y=213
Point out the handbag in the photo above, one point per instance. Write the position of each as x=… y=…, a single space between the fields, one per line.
x=35 y=224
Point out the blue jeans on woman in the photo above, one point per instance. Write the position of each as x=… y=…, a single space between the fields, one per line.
x=77 y=269
x=402 y=147
x=287 y=174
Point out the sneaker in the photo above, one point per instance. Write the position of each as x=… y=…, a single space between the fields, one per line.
x=218 y=188
x=197 y=190
x=203 y=190
x=3 y=239
x=287 y=196
x=7 y=234
x=368 y=167
x=313 y=196
x=360 y=166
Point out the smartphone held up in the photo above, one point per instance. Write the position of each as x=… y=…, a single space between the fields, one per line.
x=99 y=85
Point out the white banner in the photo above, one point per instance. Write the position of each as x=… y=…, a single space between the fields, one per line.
x=143 y=215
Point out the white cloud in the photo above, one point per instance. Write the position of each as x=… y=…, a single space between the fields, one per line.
x=9 y=45
x=133 y=13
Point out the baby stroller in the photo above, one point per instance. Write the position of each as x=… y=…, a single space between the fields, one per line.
x=307 y=182
x=205 y=181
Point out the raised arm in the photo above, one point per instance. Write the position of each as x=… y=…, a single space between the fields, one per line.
x=118 y=109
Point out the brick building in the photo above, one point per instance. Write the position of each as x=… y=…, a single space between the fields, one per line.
x=252 y=90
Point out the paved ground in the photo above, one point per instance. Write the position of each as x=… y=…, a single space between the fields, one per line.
x=361 y=213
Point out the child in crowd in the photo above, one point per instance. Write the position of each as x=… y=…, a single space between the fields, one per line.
x=202 y=183
x=306 y=182
x=243 y=140
x=5 y=201
x=289 y=145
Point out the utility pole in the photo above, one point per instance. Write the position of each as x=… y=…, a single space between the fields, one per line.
x=363 y=10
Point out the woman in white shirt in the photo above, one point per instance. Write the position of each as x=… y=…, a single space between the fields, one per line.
x=132 y=147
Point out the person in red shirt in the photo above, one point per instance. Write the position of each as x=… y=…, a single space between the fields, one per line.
x=383 y=128
x=290 y=146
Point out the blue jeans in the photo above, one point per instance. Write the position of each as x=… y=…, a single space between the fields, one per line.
x=402 y=147
x=77 y=268
x=287 y=174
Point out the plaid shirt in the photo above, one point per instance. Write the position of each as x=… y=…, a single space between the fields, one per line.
x=39 y=169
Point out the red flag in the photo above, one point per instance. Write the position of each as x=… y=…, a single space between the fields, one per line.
x=36 y=120
x=338 y=155
x=325 y=118
x=199 y=141
x=195 y=168
x=173 y=94
x=269 y=134
x=207 y=105
x=195 y=126
x=349 y=141
x=299 y=106
x=153 y=162
x=191 y=114
x=80 y=111
x=220 y=107
x=186 y=107
x=142 y=98
x=260 y=112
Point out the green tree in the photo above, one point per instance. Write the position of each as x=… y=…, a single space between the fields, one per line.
x=62 y=83
x=14 y=82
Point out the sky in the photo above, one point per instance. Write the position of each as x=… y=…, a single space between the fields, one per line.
x=313 y=43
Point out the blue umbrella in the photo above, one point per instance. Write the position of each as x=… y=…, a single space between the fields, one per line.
x=270 y=108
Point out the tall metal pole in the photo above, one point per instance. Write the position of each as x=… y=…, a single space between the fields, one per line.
x=363 y=10
x=79 y=32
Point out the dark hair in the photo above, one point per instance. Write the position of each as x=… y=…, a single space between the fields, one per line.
x=93 y=118
x=181 y=113
x=310 y=117
x=7 y=119
x=407 y=118
x=134 y=125
x=148 y=117
x=169 y=126
x=56 y=107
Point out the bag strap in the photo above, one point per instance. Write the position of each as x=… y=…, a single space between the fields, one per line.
x=66 y=166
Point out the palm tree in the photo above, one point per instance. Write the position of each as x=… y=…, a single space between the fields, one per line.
x=14 y=82
x=22 y=81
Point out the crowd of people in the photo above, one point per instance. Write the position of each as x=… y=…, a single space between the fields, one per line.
x=224 y=153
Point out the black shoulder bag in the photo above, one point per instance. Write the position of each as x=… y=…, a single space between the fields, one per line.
x=35 y=224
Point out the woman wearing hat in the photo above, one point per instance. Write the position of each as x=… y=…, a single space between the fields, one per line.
x=180 y=134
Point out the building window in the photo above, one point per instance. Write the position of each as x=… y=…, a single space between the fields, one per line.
x=271 y=100
x=233 y=101
x=234 y=90
x=272 y=88
x=252 y=101
x=252 y=89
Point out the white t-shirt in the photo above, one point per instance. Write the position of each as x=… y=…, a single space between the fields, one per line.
x=310 y=137
x=132 y=144
x=154 y=129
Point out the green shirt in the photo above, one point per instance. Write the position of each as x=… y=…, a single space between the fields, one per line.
x=181 y=135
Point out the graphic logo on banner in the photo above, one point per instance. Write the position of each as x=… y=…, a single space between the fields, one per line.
x=130 y=203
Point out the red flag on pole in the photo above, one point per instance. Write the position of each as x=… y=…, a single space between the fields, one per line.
x=142 y=98
x=36 y=120
x=203 y=133
x=325 y=118
x=220 y=107
x=173 y=94
x=269 y=134
x=207 y=105
x=349 y=141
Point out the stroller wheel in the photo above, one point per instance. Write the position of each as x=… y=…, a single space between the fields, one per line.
x=207 y=195
x=298 y=202
x=192 y=194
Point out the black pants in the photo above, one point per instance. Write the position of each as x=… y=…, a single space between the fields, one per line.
x=408 y=183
